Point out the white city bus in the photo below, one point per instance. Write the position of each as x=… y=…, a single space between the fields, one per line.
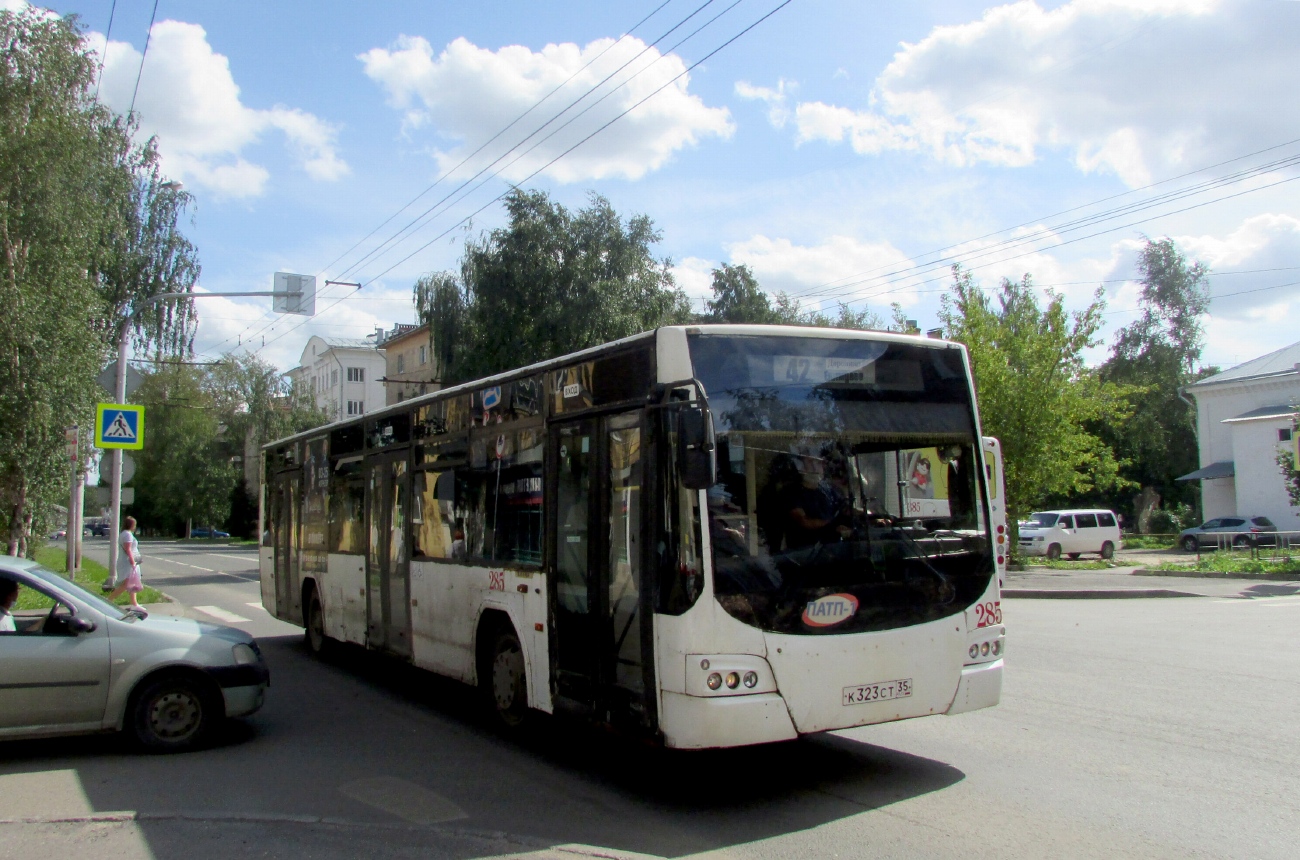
x=712 y=535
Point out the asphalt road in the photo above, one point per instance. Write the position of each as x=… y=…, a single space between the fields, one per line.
x=1128 y=728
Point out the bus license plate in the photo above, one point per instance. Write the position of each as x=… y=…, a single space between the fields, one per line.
x=864 y=693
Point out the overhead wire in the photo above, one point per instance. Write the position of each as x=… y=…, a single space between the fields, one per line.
x=147 y=39
x=99 y=78
x=484 y=145
x=561 y=155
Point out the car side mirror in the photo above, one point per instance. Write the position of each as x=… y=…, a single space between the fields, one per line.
x=696 y=454
x=78 y=624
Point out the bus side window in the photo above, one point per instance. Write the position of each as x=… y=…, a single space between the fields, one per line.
x=678 y=544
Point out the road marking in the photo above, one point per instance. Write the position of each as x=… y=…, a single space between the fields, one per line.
x=257 y=605
x=221 y=615
x=404 y=799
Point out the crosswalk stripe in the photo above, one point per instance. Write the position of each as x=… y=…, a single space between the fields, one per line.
x=257 y=605
x=221 y=614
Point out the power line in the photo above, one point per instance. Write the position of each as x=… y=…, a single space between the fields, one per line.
x=597 y=131
x=99 y=79
x=147 y=39
x=465 y=160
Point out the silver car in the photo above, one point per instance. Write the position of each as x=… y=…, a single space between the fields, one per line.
x=75 y=663
x=1238 y=531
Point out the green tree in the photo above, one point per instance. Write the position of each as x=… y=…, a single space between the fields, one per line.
x=255 y=404
x=1158 y=354
x=1035 y=393
x=185 y=471
x=550 y=282
x=737 y=298
x=56 y=158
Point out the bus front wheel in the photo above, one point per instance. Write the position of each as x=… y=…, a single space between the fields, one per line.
x=506 y=682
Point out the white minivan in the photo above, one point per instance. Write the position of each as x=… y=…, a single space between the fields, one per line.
x=1072 y=532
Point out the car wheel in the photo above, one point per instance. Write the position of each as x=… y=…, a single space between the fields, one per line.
x=1054 y=552
x=317 y=642
x=1241 y=541
x=1190 y=544
x=1108 y=550
x=1074 y=555
x=507 y=685
x=175 y=714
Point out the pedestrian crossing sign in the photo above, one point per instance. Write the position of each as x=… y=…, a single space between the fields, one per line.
x=119 y=426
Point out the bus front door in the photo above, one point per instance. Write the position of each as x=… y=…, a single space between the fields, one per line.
x=388 y=571
x=597 y=551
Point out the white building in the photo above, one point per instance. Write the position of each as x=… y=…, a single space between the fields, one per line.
x=345 y=374
x=1243 y=419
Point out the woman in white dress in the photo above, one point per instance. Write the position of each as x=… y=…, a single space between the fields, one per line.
x=128 y=567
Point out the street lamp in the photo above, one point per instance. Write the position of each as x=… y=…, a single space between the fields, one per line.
x=300 y=301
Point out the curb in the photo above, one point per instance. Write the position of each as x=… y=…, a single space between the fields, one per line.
x=1278 y=576
x=1092 y=594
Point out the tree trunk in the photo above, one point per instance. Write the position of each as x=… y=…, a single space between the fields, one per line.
x=1144 y=504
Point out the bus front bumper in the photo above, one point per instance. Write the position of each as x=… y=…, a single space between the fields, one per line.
x=695 y=722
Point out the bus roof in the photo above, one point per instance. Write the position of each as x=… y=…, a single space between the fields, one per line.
x=613 y=346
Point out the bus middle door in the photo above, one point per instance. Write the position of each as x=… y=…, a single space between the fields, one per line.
x=388 y=570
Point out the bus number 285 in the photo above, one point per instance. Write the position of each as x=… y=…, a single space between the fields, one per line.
x=988 y=613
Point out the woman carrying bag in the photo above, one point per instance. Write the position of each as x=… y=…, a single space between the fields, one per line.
x=128 y=568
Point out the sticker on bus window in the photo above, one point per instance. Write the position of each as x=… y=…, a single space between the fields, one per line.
x=830 y=610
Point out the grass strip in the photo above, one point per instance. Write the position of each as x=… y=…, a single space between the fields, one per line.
x=92 y=575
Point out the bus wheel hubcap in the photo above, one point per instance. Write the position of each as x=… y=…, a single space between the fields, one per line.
x=507 y=672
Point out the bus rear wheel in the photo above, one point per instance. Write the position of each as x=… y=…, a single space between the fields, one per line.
x=317 y=642
x=506 y=684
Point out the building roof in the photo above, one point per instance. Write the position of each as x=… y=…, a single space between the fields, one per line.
x=1279 y=363
x=1281 y=410
x=348 y=342
x=1221 y=469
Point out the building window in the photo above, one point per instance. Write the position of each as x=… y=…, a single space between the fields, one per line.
x=356 y=407
x=424 y=358
x=401 y=363
x=356 y=374
x=334 y=378
x=1284 y=435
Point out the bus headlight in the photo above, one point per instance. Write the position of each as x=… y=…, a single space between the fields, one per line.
x=714 y=681
x=974 y=651
x=751 y=679
x=733 y=680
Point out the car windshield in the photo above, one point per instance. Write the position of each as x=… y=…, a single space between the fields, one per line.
x=1042 y=521
x=69 y=587
x=844 y=467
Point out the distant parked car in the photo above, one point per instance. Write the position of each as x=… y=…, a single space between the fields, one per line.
x=1072 y=532
x=59 y=535
x=99 y=529
x=1239 y=531
x=203 y=532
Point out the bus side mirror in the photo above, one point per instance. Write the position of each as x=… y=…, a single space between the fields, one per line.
x=696 y=460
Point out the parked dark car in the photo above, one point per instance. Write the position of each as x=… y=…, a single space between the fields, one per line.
x=1237 y=531
x=204 y=532
x=98 y=529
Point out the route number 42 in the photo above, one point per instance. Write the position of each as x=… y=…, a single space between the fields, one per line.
x=988 y=613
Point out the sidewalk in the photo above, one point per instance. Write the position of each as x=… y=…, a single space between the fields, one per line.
x=1120 y=582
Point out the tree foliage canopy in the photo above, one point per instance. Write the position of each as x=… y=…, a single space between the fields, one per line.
x=738 y=298
x=88 y=228
x=1157 y=354
x=1035 y=393
x=550 y=282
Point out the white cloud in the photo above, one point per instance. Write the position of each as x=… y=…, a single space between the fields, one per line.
x=189 y=99
x=468 y=93
x=1133 y=87
x=778 y=112
x=840 y=268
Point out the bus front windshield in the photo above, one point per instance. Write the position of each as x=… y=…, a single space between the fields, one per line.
x=846 y=468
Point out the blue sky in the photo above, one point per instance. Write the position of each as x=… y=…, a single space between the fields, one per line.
x=843 y=150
